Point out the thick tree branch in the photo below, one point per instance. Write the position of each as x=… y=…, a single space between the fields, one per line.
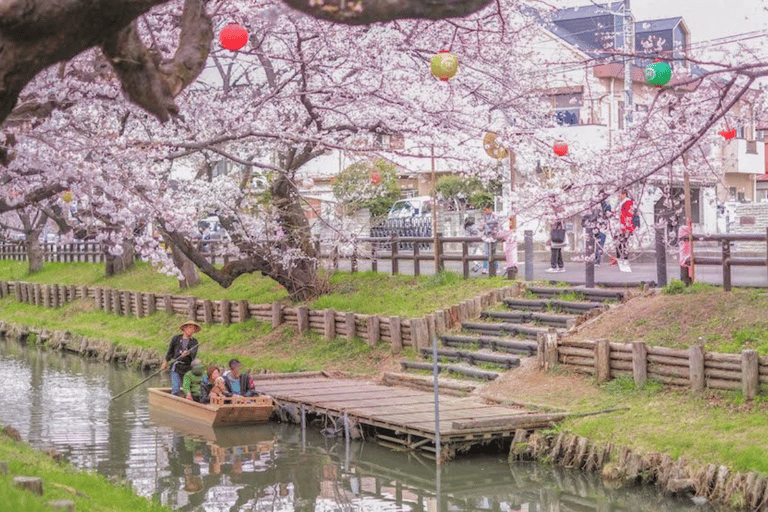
x=363 y=12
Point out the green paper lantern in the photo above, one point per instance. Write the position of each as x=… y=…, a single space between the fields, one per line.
x=658 y=73
x=444 y=65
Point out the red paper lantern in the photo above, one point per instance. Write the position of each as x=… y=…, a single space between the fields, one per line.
x=233 y=37
x=375 y=177
x=728 y=134
x=560 y=148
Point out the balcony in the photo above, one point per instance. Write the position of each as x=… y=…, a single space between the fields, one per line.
x=744 y=156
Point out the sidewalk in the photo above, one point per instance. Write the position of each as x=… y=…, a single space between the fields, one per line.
x=605 y=274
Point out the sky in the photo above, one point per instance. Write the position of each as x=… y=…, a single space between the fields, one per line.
x=706 y=19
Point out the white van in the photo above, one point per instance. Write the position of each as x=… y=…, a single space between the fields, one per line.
x=412 y=207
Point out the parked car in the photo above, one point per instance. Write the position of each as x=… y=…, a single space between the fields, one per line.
x=412 y=207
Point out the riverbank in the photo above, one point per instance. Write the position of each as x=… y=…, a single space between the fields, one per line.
x=63 y=486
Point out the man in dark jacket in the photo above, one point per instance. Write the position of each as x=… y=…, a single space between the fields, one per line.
x=183 y=348
x=237 y=383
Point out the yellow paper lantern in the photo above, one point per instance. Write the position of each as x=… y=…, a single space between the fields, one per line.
x=444 y=65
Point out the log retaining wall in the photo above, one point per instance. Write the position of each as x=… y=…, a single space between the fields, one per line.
x=691 y=367
x=397 y=331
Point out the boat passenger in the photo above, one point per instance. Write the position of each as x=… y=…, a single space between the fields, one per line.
x=193 y=380
x=182 y=350
x=214 y=385
x=237 y=383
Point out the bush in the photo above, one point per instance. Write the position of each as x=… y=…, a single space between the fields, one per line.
x=674 y=287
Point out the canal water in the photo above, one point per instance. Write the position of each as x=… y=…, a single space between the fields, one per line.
x=63 y=401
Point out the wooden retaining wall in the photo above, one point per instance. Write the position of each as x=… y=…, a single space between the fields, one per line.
x=395 y=330
x=691 y=367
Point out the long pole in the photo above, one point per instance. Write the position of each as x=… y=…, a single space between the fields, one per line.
x=689 y=218
x=143 y=381
x=436 y=385
x=434 y=214
x=629 y=45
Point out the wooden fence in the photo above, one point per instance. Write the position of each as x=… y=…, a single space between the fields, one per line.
x=725 y=259
x=692 y=367
x=395 y=330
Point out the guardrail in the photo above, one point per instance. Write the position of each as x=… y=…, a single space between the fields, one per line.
x=725 y=259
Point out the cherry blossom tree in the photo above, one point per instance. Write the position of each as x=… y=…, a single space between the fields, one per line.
x=302 y=87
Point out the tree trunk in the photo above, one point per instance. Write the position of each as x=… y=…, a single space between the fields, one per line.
x=190 y=276
x=34 y=252
x=117 y=264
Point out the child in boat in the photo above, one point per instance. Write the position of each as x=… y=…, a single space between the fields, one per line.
x=215 y=385
x=193 y=381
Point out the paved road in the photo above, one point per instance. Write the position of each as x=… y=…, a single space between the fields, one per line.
x=605 y=274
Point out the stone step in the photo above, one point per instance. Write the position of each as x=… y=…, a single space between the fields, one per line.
x=562 y=321
x=502 y=329
x=450 y=368
x=473 y=358
x=590 y=294
x=577 y=308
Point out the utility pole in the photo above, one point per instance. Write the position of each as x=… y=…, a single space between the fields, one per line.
x=629 y=48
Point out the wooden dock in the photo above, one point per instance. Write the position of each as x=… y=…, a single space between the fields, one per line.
x=401 y=417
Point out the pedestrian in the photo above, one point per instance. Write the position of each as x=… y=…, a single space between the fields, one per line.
x=470 y=229
x=597 y=221
x=556 y=243
x=626 y=212
x=182 y=351
x=490 y=227
x=510 y=248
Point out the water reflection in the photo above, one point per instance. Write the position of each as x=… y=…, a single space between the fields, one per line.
x=64 y=401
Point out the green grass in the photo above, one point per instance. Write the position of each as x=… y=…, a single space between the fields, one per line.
x=59 y=482
x=374 y=293
x=715 y=429
x=253 y=287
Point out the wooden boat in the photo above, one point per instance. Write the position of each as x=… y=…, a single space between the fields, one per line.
x=220 y=413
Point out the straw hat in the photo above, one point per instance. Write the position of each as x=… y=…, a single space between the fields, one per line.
x=190 y=322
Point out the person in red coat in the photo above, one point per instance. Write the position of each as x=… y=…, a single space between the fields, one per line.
x=627 y=227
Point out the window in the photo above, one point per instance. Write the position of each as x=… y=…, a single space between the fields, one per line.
x=567 y=108
x=752 y=147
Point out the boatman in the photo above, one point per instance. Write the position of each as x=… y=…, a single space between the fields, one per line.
x=182 y=349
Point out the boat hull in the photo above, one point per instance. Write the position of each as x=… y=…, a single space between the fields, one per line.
x=257 y=411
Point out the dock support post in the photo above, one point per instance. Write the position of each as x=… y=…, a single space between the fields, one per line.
x=303 y=427
x=346 y=438
x=436 y=384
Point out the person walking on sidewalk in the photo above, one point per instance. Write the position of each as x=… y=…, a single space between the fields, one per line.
x=490 y=228
x=626 y=228
x=556 y=243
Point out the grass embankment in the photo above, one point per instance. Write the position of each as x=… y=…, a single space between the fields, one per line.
x=89 y=491
x=718 y=427
x=253 y=342
x=679 y=317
